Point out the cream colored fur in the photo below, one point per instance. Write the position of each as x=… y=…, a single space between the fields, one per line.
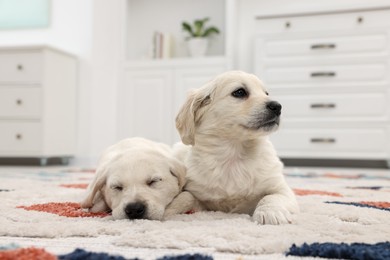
x=135 y=170
x=231 y=164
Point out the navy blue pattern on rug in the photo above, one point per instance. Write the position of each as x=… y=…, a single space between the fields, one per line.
x=358 y=251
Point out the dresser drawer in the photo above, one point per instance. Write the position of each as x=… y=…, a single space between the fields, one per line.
x=18 y=102
x=340 y=105
x=331 y=140
x=336 y=73
x=20 y=136
x=348 y=20
x=324 y=46
x=21 y=67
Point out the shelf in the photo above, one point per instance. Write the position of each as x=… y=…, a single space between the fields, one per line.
x=145 y=17
x=176 y=62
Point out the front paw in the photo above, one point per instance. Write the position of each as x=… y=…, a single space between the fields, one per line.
x=273 y=215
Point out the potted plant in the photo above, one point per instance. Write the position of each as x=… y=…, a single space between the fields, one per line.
x=198 y=36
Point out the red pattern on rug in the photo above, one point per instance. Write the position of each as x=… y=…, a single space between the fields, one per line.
x=65 y=209
x=75 y=185
x=30 y=253
x=377 y=204
x=341 y=176
x=301 y=192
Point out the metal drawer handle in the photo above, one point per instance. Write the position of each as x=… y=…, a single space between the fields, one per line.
x=323 y=74
x=18 y=136
x=323 y=105
x=323 y=46
x=323 y=140
x=19 y=102
x=19 y=67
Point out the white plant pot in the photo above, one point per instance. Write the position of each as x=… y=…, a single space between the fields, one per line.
x=198 y=47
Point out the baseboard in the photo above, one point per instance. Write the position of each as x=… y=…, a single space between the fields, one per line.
x=342 y=163
x=35 y=161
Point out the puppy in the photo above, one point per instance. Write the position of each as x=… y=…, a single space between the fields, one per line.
x=135 y=179
x=231 y=164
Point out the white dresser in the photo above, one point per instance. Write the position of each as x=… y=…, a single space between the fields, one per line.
x=330 y=71
x=37 y=104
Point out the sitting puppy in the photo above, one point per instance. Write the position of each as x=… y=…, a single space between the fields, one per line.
x=135 y=179
x=231 y=164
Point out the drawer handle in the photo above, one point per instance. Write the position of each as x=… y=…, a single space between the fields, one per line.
x=323 y=140
x=323 y=46
x=18 y=136
x=19 y=102
x=19 y=67
x=323 y=74
x=323 y=105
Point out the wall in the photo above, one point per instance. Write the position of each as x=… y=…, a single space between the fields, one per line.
x=105 y=60
x=70 y=28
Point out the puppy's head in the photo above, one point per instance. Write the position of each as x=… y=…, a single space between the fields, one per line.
x=136 y=184
x=233 y=105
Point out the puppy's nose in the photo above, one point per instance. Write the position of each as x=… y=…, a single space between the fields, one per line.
x=135 y=210
x=275 y=107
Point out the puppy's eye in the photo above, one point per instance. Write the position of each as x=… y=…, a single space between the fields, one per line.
x=153 y=181
x=267 y=93
x=240 y=93
x=117 y=187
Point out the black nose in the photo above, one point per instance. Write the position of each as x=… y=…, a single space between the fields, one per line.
x=274 y=107
x=135 y=210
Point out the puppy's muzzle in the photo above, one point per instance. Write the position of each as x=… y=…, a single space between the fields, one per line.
x=135 y=210
x=268 y=119
x=274 y=107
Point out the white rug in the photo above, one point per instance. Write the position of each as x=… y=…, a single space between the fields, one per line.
x=223 y=236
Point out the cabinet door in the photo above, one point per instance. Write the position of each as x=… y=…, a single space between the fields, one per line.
x=187 y=79
x=145 y=108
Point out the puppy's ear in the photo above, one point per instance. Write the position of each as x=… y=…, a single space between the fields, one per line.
x=178 y=170
x=94 y=199
x=189 y=115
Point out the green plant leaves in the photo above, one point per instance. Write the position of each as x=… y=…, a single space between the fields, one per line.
x=187 y=27
x=197 y=29
x=210 y=31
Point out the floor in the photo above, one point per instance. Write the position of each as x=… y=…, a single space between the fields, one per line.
x=47 y=243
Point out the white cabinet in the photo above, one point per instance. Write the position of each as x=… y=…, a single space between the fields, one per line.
x=192 y=78
x=37 y=103
x=331 y=73
x=153 y=93
x=146 y=104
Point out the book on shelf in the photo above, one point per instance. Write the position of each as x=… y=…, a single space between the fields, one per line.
x=162 y=45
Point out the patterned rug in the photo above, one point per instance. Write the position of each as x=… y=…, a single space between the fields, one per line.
x=345 y=214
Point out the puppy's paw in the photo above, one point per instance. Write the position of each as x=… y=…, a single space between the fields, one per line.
x=170 y=212
x=271 y=215
x=183 y=202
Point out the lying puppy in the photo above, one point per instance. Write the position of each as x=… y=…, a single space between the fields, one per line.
x=231 y=164
x=135 y=179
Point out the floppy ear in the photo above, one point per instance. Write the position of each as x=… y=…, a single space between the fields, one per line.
x=178 y=170
x=94 y=199
x=188 y=115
